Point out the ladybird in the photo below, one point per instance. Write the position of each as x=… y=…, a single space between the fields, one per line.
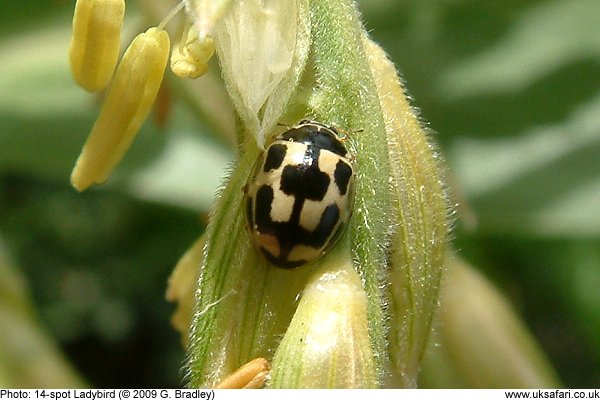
x=300 y=194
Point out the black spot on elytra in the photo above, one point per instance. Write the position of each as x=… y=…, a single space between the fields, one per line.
x=264 y=199
x=282 y=263
x=322 y=232
x=305 y=181
x=342 y=176
x=275 y=156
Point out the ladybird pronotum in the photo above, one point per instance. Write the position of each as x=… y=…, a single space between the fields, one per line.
x=300 y=195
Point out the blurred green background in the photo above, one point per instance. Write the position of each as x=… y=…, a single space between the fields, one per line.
x=510 y=88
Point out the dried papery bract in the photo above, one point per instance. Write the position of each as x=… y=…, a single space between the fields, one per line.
x=96 y=41
x=206 y=13
x=127 y=105
x=262 y=47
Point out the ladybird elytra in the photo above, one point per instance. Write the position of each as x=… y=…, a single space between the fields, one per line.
x=300 y=193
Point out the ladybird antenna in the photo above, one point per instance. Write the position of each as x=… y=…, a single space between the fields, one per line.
x=286 y=126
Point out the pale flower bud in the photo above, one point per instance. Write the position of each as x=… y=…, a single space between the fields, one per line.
x=481 y=342
x=251 y=375
x=327 y=344
x=182 y=285
x=418 y=238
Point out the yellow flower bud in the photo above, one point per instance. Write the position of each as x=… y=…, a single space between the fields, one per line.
x=327 y=344
x=95 y=43
x=127 y=104
x=418 y=239
x=481 y=342
x=190 y=58
x=182 y=287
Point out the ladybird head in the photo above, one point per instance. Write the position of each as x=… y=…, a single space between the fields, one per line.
x=318 y=135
